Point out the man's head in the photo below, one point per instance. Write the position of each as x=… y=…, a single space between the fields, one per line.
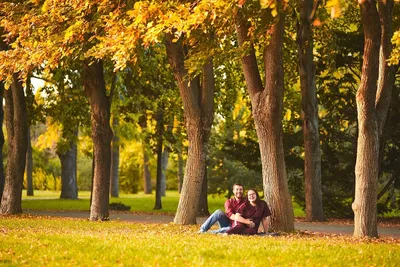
x=238 y=191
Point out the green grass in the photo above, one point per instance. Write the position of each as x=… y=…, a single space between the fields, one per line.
x=49 y=200
x=36 y=241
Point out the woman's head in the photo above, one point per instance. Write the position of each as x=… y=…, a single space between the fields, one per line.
x=252 y=196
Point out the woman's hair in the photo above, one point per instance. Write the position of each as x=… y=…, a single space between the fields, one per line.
x=257 y=195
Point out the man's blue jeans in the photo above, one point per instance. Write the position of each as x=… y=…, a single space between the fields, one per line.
x=220 y=217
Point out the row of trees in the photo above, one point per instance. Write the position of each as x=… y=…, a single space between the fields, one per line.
x=84 y=43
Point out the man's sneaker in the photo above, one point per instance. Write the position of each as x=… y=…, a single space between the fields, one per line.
x=201 y=231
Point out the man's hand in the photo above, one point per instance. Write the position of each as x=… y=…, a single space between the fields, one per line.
x=252 y=224
x=238 y=217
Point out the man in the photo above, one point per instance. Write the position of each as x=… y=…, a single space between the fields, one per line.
x=226 y=219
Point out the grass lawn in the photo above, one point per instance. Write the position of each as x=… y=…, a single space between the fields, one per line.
x=49 y=200
x=36 y=241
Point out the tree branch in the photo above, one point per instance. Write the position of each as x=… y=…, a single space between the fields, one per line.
x=113 y=85
x=43 y=79
x=386 y=187
x=314 y=10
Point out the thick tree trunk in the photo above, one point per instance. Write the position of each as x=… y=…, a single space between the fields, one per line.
x=198 y=107
x=2 y=177
x=29 y=166
x=309 y=113
x=3 y=46
x=94 y=85
x=114 y=177
x=160 y=132
x=364 y=205
x=192 y=182
x=373 y=100
x=203 y=203
x=68 y=160
x=267 y=104
x=17 y=133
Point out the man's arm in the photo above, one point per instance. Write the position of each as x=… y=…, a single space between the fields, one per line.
x=238 y=217
x=229 y=210
x=265 y=224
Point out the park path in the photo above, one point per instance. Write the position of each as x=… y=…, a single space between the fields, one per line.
x=314 y=227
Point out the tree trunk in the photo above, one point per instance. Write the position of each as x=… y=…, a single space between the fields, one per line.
x=373 y=100
x=267 y=104
x=364 y=205
x=309 y=113
x=114 y=178
x=2 y=178
x=386 y=72
x=160 y=132
x=95 y=89
x=17 y=133
x=29 y=166
x=203 y=203
x=165 y=157
x=3 y=46
x=68 y=159
x=198 y=105
x=29 y=98
x=146 y=171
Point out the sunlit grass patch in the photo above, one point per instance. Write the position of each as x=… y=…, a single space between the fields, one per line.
x=36 y=241
x=50 y=200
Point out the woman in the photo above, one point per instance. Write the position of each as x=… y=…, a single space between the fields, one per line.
x=255 y=210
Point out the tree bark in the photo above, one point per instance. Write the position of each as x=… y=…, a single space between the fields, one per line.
x=386 y=72
x=68 y=160
x=17 y=133
x=203 y=203
x=309 y=113
x=267 y=104
x=160 y=132
x=373 y=100
x=165 y=157
x=366 y=170
x=114 y=177
x=164 y=160
x=29 y=166
x=95 y=89
x=3 y=46
x=146 y=170
x=198 y=105
x=2 y=177
x=29 y=159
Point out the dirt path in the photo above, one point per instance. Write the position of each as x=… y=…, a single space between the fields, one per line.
x=315 y=227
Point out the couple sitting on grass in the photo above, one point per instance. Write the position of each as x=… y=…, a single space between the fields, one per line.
x=242 y=216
